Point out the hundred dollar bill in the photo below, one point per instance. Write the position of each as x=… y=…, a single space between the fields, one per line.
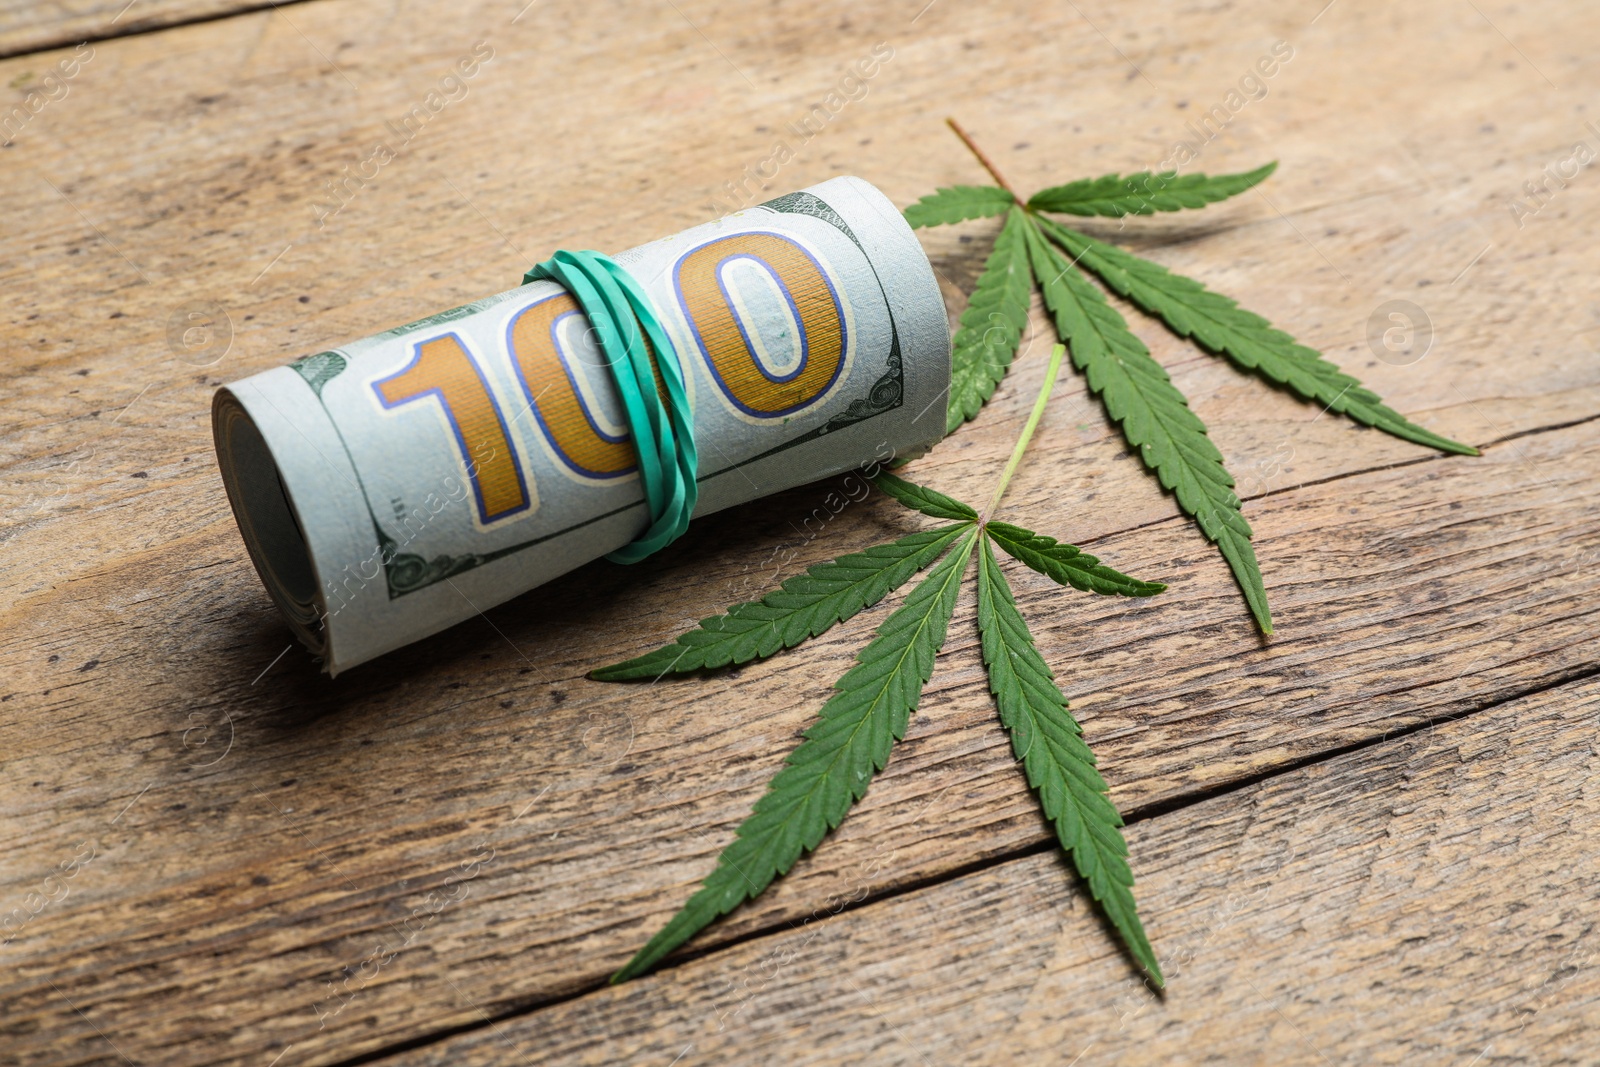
x=405 y=482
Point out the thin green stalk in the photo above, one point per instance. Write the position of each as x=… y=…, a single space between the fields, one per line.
x=1027 y=430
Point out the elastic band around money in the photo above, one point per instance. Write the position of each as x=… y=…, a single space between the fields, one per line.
x=644 y=365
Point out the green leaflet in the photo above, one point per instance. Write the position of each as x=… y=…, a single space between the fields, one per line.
x=1153 y=414
x=1221 y=325
x=1137 y=393
x=803 y=606
x=831 y=769
x=1066 y=564
x=851 y=741
x=991 y=326
x=856 y=729
x=1144 y=193
x=957 y=203
x=920 y=498
x=1060 y=767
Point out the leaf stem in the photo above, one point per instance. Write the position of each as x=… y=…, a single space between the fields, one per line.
x=1028 y=428
x=988 y=164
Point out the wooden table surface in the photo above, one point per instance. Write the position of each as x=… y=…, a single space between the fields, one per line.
x=1371 y=838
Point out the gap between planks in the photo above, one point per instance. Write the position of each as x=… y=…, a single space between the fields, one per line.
x=1134 y=815
x=49 y=41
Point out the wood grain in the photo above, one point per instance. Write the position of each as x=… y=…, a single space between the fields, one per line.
x=265 y=840
x=310 y=844
x=36 y=25
x=1430 y=899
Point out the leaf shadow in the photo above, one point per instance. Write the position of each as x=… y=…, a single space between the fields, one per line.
x=599 y=613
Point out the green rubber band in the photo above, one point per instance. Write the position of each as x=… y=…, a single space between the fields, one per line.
x=663 y=432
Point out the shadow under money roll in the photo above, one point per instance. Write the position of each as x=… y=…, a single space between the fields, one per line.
x=404 y=482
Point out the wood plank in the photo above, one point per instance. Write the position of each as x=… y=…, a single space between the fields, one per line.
x=1424 y=900
x=37 y=25
x=229 y=896
x=231 y=884
x=256 y=211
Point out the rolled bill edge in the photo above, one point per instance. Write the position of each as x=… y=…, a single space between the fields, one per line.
x=405 y=482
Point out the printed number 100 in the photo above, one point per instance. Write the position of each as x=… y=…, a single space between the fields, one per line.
x=711 y=286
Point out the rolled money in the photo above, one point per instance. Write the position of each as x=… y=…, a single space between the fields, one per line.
x=405 y=482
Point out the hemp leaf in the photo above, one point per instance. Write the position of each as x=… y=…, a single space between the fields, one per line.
x=1154 y=416
x=856 y=729
x=804 y=606
x=958 y=204
x=1143 y=193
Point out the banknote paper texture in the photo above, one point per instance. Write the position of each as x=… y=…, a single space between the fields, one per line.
x=405 y=482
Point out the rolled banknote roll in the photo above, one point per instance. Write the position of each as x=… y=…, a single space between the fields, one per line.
x=402 y=483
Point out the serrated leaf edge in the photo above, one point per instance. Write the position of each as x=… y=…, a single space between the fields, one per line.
x=720 y=893
x=1096 y=846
